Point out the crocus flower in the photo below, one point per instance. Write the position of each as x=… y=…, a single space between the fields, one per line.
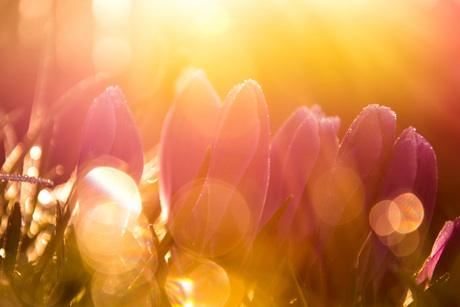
x=110 y=133
x=410 y=182
x=214 y=202
x=341 y=197
x=369 y=167
x=445 y=251
x=302 y=150
x=439 y=278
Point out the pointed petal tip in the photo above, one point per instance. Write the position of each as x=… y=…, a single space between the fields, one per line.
x=199 y=76
x=302 y=110
x=112 y=95
x=197 y=88
x=380 y=109
x=249 y=92
x=252 y=83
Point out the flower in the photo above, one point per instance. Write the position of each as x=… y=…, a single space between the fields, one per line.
x=409 y=185
x=335 y=217
x=439 y=277
x=215 y=200
x=446 y=249
x=304 y=148
x=110 y=136
x=341 y=199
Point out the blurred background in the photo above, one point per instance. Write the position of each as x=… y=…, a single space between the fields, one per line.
x=342 y=55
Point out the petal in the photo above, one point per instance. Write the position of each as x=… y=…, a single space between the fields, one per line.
x=306 y=223
x=426 y=181
x=240 y=155
x=293 y=155
x=99 y=128
x=426 y=272
x=411 y=168
x=360 y=158
x=402 y=166
x=343 y=200
x=127 y=144
x=187 y=131
x=445 y=252
x=368 y=141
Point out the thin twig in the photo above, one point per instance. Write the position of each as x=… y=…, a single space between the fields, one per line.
x=24 y=178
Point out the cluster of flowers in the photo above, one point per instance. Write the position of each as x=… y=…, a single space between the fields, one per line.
x=347 y=218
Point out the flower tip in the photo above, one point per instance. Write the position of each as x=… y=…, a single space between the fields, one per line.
x=197 y=89
x=112 y=95
x=252 y=83
x=318 y=111
x=197 y=77
x=383 y=110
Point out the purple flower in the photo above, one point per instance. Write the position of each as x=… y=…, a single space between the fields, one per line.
x=303 y=149
x=215 y=201
x=340 y=202
x=342 y=198
x=110 y=136
x=445 y=251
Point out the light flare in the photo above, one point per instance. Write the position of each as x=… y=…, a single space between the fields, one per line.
x=412 y=212
x=112 y=235
x=111 y=13
x=203 y=283
x=213 y=20
x=35 y=153
x=396 y=223
x=44 y=197
x=32 y=172
x=338 y=196
x=215 y=224
x=112 y=54
x=138 y=288
x=385 y=217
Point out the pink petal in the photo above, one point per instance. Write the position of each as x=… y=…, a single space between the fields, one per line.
x=187 y=131
x=99 y=128
x=306 y=222
x=411 y=168
x=110 y=130
x=345 y=199
x=240 y=155
x=293 y=155
x=127 y=144
x=362 y=153
x=368 y=141
x=445 y=251
x=426 y=181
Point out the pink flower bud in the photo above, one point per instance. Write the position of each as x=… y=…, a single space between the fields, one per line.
x=188 y=130
x=307 y=141
x=218 y=211
x=342 y=198
x=409 y=184
x=445 y=251
x=110 y=132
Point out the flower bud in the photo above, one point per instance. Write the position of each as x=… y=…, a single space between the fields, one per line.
x=110 y=132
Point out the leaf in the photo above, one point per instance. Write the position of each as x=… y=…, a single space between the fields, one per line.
x=12 y=240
